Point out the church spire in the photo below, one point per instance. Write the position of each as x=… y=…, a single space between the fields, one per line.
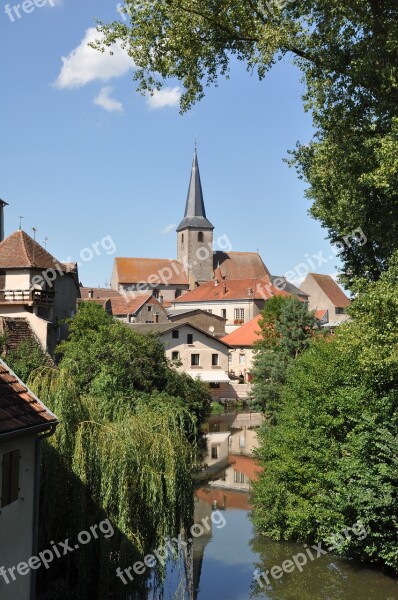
x=195 y=212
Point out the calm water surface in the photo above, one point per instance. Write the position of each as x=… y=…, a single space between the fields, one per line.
x=224 y=561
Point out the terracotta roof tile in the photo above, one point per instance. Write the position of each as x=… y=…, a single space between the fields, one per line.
x=99 y=293
x=246 y=335
x=240 y=265
x=155 y=271
x=233 y=289
x=20 y=251
x=331 y=289
x=20 y=409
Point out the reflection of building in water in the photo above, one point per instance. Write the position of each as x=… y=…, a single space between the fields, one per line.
x=242 y=470
x=203 y=512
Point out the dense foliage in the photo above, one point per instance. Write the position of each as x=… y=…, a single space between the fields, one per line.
x=331 y=459
x=124 y=451
x=348 y=54
x=286 y=328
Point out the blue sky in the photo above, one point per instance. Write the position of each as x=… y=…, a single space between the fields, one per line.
x=84 y=157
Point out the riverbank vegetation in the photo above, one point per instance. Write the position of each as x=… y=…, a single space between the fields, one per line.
x=330 y=459
x=124 y=450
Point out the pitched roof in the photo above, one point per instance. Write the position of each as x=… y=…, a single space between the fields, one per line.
x=20 y=409
x=161 y=328
x=176 y=314
x=98 y=293
x=232 y=289
x=331 y=289
x=239 y=265
x=154 y=271
x=284 y=284
x=20 y=251
x=195 y=213
x=122 y=306
x=246 y=335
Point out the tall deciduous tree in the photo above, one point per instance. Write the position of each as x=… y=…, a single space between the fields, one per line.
x=348 y=54
x=286 y=330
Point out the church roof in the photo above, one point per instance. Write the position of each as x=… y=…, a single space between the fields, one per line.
x=239 y=265
x=154 y=271
x=195 y=212
x=20 y=251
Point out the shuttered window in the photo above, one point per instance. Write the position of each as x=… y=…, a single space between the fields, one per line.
x=10 y=478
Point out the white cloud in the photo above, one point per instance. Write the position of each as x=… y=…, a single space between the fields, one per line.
x=169 y=228
x=84 y=64
x=164 y=97
x=106 y=102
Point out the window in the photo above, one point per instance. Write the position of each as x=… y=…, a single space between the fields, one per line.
x=214 y=360
x=339 y=310
x=195 y=360
x=214 y=451
x=175 y=355
x=182 y=241
x=239 y=314
x=224 y=313
x=155 y=294
x=190 y=338
x=239 y=477
x=177 y=293
x=149 y=308
x=200 y=236
x=175 y=334
x=10 y=478
x=214 y=385
x=242 y=359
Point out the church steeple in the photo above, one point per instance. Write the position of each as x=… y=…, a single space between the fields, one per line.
x=195 y=233
x=195 y=212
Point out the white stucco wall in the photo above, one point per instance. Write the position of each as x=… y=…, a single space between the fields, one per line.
x=203 y=345
x=16 y=520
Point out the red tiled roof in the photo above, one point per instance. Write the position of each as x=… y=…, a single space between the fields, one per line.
x=240 y=265
x=20 y=409
x=121 y=306
x=155 y=271
x=331 y=289
x=233 y=289
x=99 y=293
x=320 y=314
x=246 y=335
x=20 y=251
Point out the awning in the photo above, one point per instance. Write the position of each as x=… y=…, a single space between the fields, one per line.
x=210 y=376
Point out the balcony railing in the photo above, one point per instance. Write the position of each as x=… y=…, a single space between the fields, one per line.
x=27 y=297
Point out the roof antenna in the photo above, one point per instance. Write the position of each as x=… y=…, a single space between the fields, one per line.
x=34 y=229
x=45 y=241
x=20 y=222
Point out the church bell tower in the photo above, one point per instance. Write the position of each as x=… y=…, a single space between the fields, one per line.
x=195 y=233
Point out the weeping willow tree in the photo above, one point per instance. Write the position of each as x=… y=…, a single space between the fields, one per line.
x=124 y=451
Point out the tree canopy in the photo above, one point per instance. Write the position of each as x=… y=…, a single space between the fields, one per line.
x=348 y=55
x=331 y=459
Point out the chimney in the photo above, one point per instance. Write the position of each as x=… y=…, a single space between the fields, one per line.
x=216 y=282
x=250 y=292
x=161 y=299
x=225 y=288
x=90 y=294
x=2 y=205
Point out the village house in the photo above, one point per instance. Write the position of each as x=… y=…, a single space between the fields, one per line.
x=24 y=423
x=242 y=342
x=144 y=308
x=203 y=319
x=194 y=352
x=235 y=300
x=327 y=298
x=38 y=288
